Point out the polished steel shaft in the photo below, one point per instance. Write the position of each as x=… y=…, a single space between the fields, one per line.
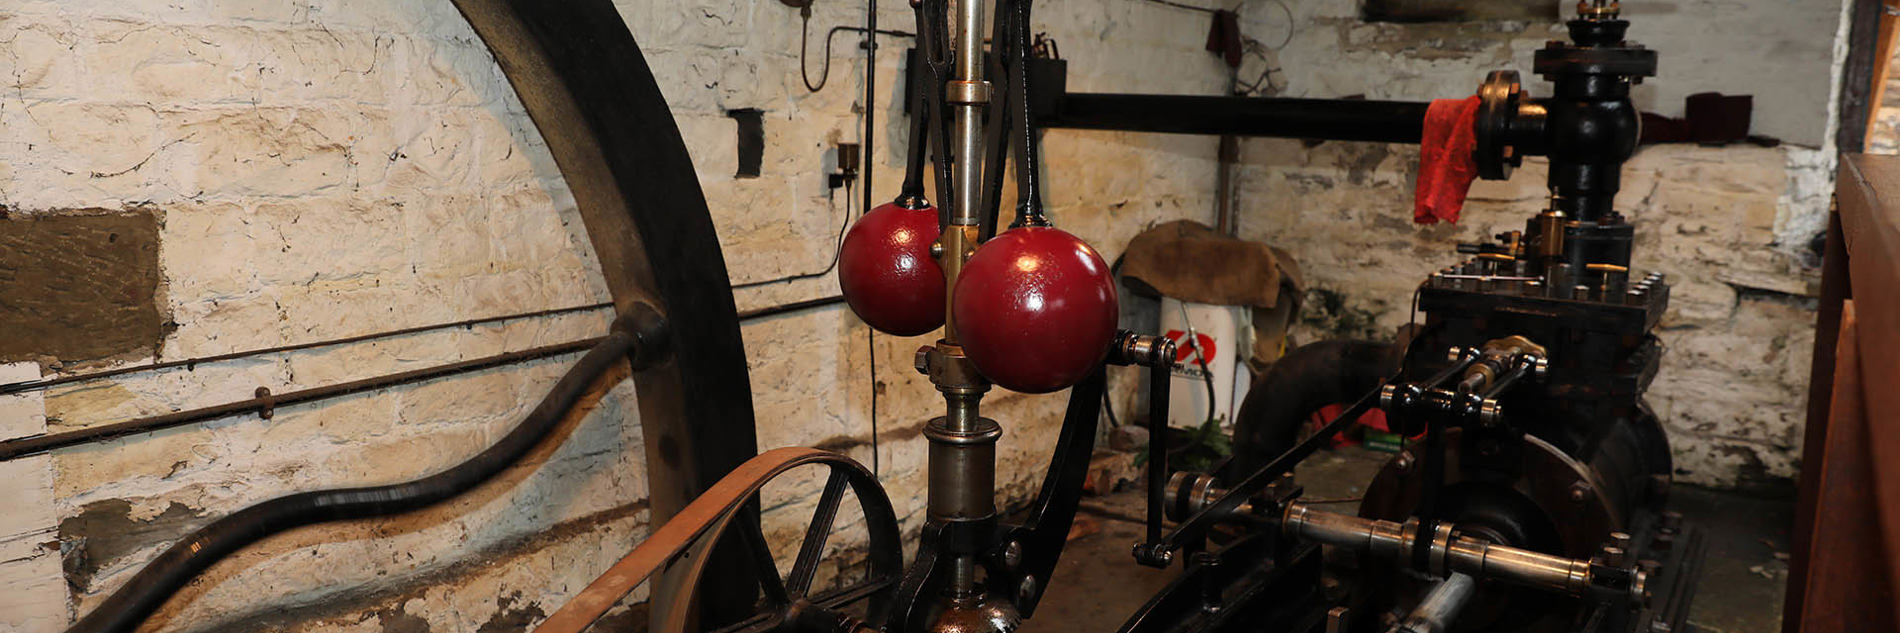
x=1451 y=553
x=962 y=443
x=969 y=92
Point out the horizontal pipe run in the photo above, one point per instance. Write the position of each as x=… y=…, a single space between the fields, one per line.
x=1318 y=119
x=11 y=449
x=146 y=591
x=44 y=383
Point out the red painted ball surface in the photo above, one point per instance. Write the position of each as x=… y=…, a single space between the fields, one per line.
x=887 y=274
x=1035 y=309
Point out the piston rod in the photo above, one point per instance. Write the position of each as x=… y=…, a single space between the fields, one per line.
x=1451 y=553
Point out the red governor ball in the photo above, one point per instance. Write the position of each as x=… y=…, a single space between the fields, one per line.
x=887 y=274
x=1035 y=309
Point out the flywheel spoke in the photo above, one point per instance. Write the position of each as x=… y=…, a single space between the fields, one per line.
x=769 y=583
x=821 y=521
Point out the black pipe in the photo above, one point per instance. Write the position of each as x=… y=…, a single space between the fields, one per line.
x=184 y=560
x=1300 y=383
x=1322 y=119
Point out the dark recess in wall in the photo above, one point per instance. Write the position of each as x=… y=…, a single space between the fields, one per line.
x=79 y=286
x=1458 y=10
x=751 y=140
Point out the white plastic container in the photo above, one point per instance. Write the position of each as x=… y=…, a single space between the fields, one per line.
x=1222 y=333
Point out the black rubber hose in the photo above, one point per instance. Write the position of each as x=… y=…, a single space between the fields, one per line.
x=1299 y=384
x=127 y=608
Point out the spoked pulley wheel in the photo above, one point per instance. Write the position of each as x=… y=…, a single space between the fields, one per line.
x=679 y=553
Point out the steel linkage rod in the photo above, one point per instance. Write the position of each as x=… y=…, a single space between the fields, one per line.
x=1196 y=526
x=1159 y=381
x=44 y=383
x=266 y=403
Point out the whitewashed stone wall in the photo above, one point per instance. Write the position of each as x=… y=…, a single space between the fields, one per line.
x=1731 y=226
x=326 y=168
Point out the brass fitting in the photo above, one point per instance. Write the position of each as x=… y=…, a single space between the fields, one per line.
x=1599 y=9
x=1550 y=233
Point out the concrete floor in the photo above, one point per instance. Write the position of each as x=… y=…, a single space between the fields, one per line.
x=1098 y=585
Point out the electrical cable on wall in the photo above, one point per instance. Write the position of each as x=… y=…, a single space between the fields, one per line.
x=870 y=137
x=824 y=73
x=1179 y=5
x=824 y=76
x=836 y=249
x=870 y=337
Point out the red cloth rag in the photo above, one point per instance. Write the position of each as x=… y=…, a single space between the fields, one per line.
x=1446 y=160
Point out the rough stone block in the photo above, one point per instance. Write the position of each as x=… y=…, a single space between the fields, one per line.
x=80 y=287
x=301 y=64
x=211 y=251
x=323 y=239
x=41 y=57
x=217 y=326
x=264 y=151
x=139 y=61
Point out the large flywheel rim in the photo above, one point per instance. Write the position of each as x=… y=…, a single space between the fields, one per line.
x=587 y=87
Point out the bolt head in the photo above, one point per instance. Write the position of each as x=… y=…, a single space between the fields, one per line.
x=1579 y=492
x=923 y=360
x=1454 y=354
x=1026 y=590
x=1013 y=555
